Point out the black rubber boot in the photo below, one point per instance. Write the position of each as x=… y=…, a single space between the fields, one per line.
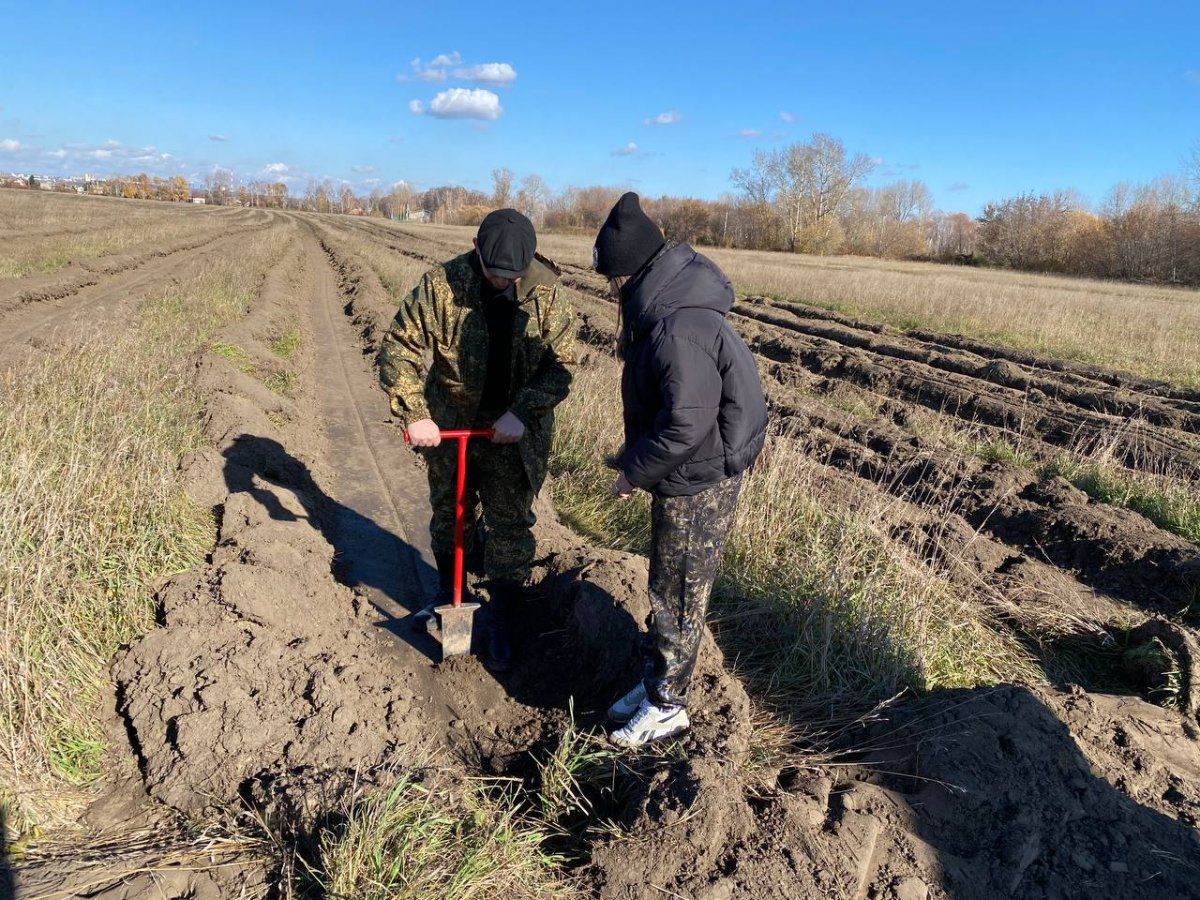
x=504 y=596
x=425 y=619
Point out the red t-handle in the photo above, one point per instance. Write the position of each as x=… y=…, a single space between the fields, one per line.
x=460 y=498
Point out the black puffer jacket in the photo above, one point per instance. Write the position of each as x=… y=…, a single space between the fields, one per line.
x=694 y=408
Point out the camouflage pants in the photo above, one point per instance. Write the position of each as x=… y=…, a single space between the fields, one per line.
x=686 y=538
x=498 y=483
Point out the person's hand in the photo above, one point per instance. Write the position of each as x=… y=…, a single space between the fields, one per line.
x=509 y=429
x=621 y=487
x=424 y=433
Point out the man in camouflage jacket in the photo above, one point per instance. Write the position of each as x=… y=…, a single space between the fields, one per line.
x=485 y=341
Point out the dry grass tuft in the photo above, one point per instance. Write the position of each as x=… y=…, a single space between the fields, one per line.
x=428 y=837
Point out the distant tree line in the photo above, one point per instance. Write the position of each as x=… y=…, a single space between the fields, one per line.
x=807 y=197
x=1140 y=232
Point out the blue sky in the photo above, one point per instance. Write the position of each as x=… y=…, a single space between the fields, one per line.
x=980 y=101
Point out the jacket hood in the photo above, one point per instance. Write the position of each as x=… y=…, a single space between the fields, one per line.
x=678 y=278
x=542 y=272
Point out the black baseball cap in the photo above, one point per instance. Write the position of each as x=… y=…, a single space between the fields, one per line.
x=506 y=243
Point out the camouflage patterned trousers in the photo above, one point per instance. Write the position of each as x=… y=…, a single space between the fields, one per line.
x=498 y=483
x=686 y=538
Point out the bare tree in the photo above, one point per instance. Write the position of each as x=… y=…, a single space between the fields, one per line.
x=1154 y=236
x=532 y=198
x=756 y=182
x=682 y=219
x=1191 y=174
x=219 y=185
x=1027 y=231
x=277 y=194
x=953 y=236
x=400 y=200
x=502 y=182
x=808 y=184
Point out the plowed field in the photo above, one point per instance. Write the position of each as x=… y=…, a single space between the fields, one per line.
x=282 y=677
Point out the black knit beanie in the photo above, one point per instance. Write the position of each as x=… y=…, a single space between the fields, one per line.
x=627 y=239
x=506 y=242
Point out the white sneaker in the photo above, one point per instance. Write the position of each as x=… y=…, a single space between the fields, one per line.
x=624 y=709
x=651 y=723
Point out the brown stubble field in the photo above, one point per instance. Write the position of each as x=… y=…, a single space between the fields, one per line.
x=954 y=644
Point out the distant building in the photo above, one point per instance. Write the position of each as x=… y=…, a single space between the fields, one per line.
x=198 y=199
x=416 y=215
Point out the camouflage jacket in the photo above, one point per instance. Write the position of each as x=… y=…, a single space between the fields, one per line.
x=444 y=317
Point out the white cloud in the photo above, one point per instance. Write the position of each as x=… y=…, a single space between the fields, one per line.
x=434 y=70
x=8 y=145
x=275 y=169
x=666 y=118
x=497 y=74
x=630 y=149
x=459 y=103
x=877 y=160
x=788 y=117
x=750 y=134
x=416 y=107
x=99 y=154
x=220 y=138
x=362 y=170
x=60 y=153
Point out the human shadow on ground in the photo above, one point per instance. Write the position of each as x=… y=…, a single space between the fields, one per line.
x=367 y=556
x=999 y=789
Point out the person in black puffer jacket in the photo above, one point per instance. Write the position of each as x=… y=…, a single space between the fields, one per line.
x=695 y=420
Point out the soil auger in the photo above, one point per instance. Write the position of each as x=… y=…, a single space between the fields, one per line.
x=457 y=618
